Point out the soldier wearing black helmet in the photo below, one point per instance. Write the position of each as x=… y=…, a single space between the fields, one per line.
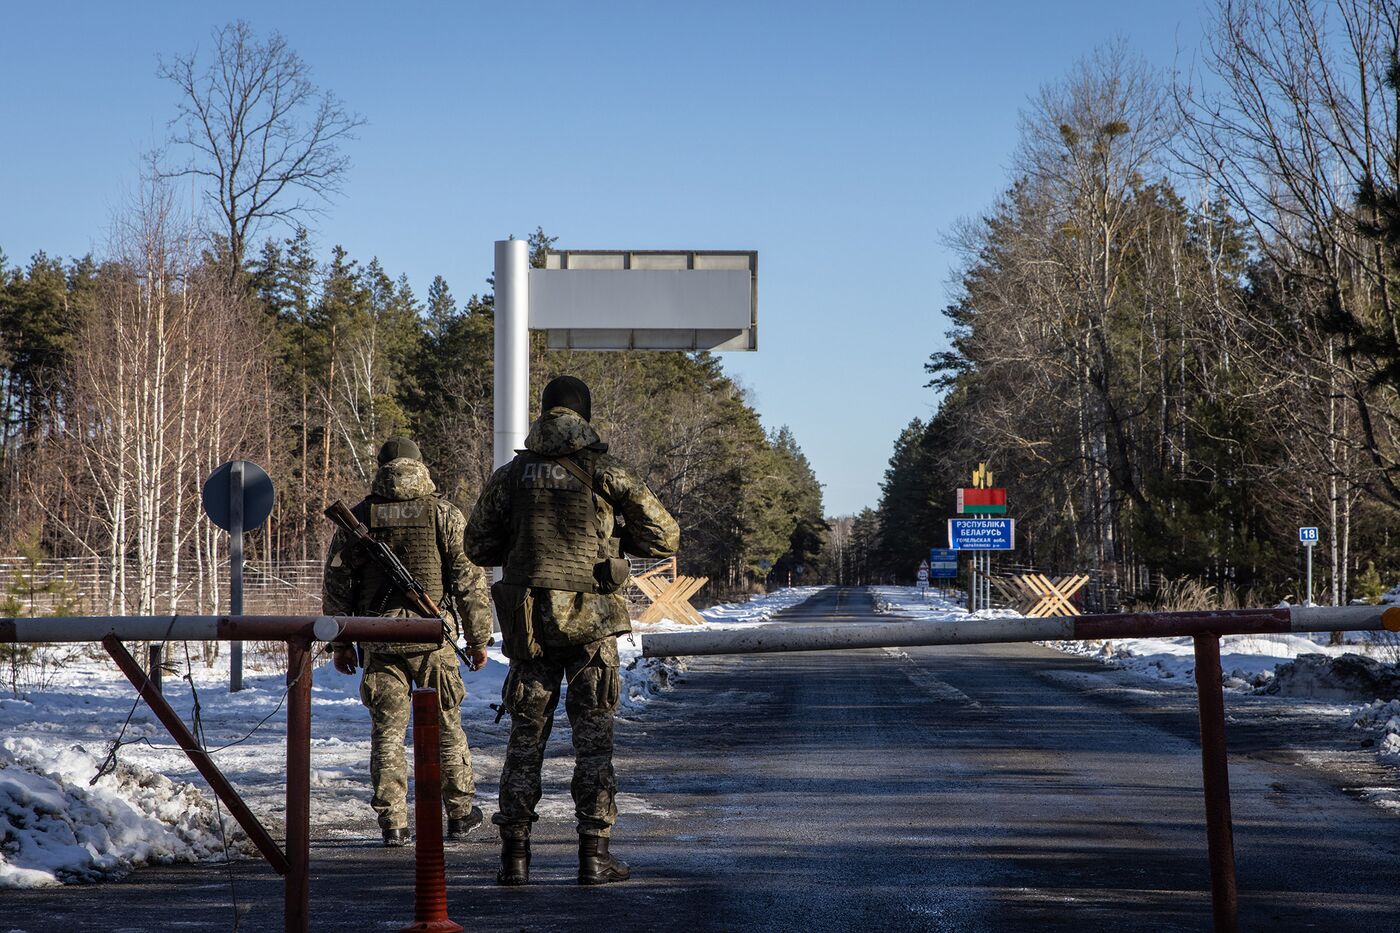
x=425 y=531
x=550 y=519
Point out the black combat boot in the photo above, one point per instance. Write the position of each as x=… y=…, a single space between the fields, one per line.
x=515 y=861
x=458 y=827
x=595 y=865
x=394 y=838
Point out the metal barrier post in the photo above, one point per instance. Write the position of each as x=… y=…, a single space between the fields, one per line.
x=429 y=868
x=297 y=902
x=1210 y=695
x=198 y=756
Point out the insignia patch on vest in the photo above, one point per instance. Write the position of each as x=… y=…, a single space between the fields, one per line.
x=401 y=515
x=546 y=475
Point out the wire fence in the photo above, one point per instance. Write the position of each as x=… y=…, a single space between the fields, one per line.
x=93 y=586
x=84 y=586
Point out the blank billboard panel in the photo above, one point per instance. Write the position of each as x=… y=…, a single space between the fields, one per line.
x=646 y=300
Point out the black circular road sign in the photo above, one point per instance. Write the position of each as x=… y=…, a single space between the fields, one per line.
x=257 y=495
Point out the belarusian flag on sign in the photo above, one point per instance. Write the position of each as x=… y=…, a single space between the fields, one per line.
x=982 y=501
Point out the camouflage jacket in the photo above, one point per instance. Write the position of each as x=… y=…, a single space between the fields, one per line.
x=563 y=618
x=397 y=481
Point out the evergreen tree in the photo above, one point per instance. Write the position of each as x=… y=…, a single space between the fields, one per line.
x=442 y=308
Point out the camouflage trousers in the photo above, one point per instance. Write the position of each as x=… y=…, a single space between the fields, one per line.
x=386 y=690
x=531 y=694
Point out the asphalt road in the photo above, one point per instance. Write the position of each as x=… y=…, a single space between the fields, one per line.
x=986 y=788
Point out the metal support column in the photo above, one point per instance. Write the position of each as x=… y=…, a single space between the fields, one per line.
x=512 y=375
x=1215 y=771
x=986 y=579
x=1307 y=595
x=235 y=569
x=972 y=583
x=297 y=903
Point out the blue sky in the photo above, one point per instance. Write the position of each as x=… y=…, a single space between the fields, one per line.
x=841 y=141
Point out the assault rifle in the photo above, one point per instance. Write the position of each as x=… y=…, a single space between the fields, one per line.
x=399 y=575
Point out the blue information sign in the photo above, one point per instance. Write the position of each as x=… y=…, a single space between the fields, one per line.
x=981 y=534
x=1307 y=535
x=942 y=563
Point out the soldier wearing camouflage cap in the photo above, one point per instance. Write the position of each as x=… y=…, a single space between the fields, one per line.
x=550 y=520
x=425 y=531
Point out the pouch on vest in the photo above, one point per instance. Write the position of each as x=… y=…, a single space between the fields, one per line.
x=515 y=611
x=611 y=574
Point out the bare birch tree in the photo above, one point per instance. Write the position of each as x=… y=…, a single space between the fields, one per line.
x=162 y=391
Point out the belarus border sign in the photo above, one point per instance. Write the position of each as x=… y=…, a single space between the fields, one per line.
x=981 y=534
x=942 y=563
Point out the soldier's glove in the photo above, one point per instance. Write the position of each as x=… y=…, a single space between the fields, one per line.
x=478 y=658
x=344 y=659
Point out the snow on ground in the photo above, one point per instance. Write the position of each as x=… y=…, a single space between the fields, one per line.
x=1248 y=661
x=57 y=826
x=929 y=605
x=1381 y=717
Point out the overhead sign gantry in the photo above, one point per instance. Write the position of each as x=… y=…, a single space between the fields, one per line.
x=680 y=300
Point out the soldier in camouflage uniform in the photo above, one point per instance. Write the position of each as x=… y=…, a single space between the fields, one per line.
x=425 y=531
x=557 y=519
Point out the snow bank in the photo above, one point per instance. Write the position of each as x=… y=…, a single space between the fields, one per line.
x=55 y=828
x=1249 y=661
x=1383 y=718
x=1348 y=677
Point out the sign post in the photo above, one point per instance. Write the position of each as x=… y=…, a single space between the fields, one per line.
x=923 y=578
x=982 y=498
x=1309 y=538
x=237 y=497
x=235 y=569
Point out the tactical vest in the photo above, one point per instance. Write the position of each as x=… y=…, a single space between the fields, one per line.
x=409 y=528
x=554 y=525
